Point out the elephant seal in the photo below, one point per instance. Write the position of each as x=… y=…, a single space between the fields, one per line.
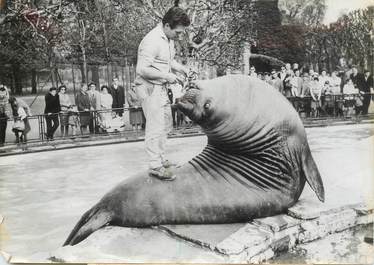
x=255 y=164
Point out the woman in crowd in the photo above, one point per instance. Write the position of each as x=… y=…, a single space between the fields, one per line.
x=105 y=101
x=84 y=106
x=315 y=93
x=136 y=112
x=21 y=124
x=65 y=104
x=352 y=98
x=4 y=112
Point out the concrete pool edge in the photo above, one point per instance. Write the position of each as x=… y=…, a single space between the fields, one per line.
x=262 y=239
x=118 y=139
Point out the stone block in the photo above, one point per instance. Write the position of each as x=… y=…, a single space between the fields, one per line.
x=263 y=256
x=365 y=219
x=230 y=247
x=364 y=209
x=249 y=237
x=277 y=223
x=310 y=209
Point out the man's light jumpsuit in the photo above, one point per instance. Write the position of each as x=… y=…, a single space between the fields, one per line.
x=157 y=51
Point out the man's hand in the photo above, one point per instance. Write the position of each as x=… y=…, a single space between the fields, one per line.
x=171 y=78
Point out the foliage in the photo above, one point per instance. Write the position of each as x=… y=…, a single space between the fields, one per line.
x=350 y=37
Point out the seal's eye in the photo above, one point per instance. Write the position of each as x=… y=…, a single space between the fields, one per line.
x=207 y=105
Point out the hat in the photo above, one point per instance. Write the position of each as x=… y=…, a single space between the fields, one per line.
x=306 y=75
x=273 y=72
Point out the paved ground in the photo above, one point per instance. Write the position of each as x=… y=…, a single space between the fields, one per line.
x=44 y=194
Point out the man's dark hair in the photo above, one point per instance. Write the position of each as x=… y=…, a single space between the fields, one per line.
x=176 y=16
x=104 y=86
x=52 y=88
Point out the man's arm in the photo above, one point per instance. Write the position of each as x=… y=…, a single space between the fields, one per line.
x=146 y=55
x=177 y=67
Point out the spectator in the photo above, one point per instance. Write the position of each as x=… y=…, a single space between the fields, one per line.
x=352 y=98
x=323 y=78
x=367 y=88
x=305 y=105
x=94 y=97
x=335 y=83
x=287 y=86
x=106 y=102
x=327 y=98
x=297 y=83
x=177 y=115
x=118 y=95
x=276 y=82
x=288 y=69
x=282 y=73
x=295 y=67
x=51 y=111
x=84 y=106
x=21 y=123
x=315 y=93
x=305 y=88
x=267 y=77
x=65 y=104
x=74 y=122
x=311 y=74
x=252 y=72
x=4 y=113
x=137 y=119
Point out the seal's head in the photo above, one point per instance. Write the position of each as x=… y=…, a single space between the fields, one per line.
x=204 y=104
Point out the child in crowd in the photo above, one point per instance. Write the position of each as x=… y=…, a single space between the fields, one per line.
x=74 y=119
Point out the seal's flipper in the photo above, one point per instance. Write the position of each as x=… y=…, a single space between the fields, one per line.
x=91 y=221
x=312 y=174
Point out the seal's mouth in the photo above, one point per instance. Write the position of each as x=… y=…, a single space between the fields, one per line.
x=188 y=104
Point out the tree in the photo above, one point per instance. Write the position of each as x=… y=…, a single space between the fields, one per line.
x=304 y=12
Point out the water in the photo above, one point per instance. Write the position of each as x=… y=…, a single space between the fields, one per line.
x=42 y=195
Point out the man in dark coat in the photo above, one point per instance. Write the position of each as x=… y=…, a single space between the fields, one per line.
x=358 y=80
x=367 y=87
x=118 y=94
x=51 y=111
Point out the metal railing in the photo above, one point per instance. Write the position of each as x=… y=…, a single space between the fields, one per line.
x=331 y=107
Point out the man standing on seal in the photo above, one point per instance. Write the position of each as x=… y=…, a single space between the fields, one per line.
x=154 y=72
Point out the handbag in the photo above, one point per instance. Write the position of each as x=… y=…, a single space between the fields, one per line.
x=19 y=125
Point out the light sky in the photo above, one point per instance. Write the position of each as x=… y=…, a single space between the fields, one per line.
x=335 y=8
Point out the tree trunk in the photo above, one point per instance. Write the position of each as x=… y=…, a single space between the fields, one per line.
x=17 y=79
x=83 y=69
x=95 y=75
x=33 y=81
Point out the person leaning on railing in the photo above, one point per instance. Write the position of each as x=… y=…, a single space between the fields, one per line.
x=136 y=115
x=83 y=105
x=65 y=104
x=21 y=125
x=352 y=98
x=367 y=89
x=105 y=114
x=51 y=111
x=5 y=112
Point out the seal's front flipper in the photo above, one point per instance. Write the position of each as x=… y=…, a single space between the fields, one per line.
x=312 y=174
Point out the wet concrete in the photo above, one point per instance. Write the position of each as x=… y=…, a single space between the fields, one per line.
x=44 y=194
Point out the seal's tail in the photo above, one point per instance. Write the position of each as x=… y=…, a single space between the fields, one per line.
x=312 y=174
x=91 y=221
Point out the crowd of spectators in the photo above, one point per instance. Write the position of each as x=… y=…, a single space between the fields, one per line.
x=92 y=111
x=101 y=110
x=314 y=94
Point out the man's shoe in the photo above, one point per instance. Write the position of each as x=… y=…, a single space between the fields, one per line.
x=162 y=173
x=167 y=164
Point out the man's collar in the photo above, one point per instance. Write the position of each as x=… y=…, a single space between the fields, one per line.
x=161 y=30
